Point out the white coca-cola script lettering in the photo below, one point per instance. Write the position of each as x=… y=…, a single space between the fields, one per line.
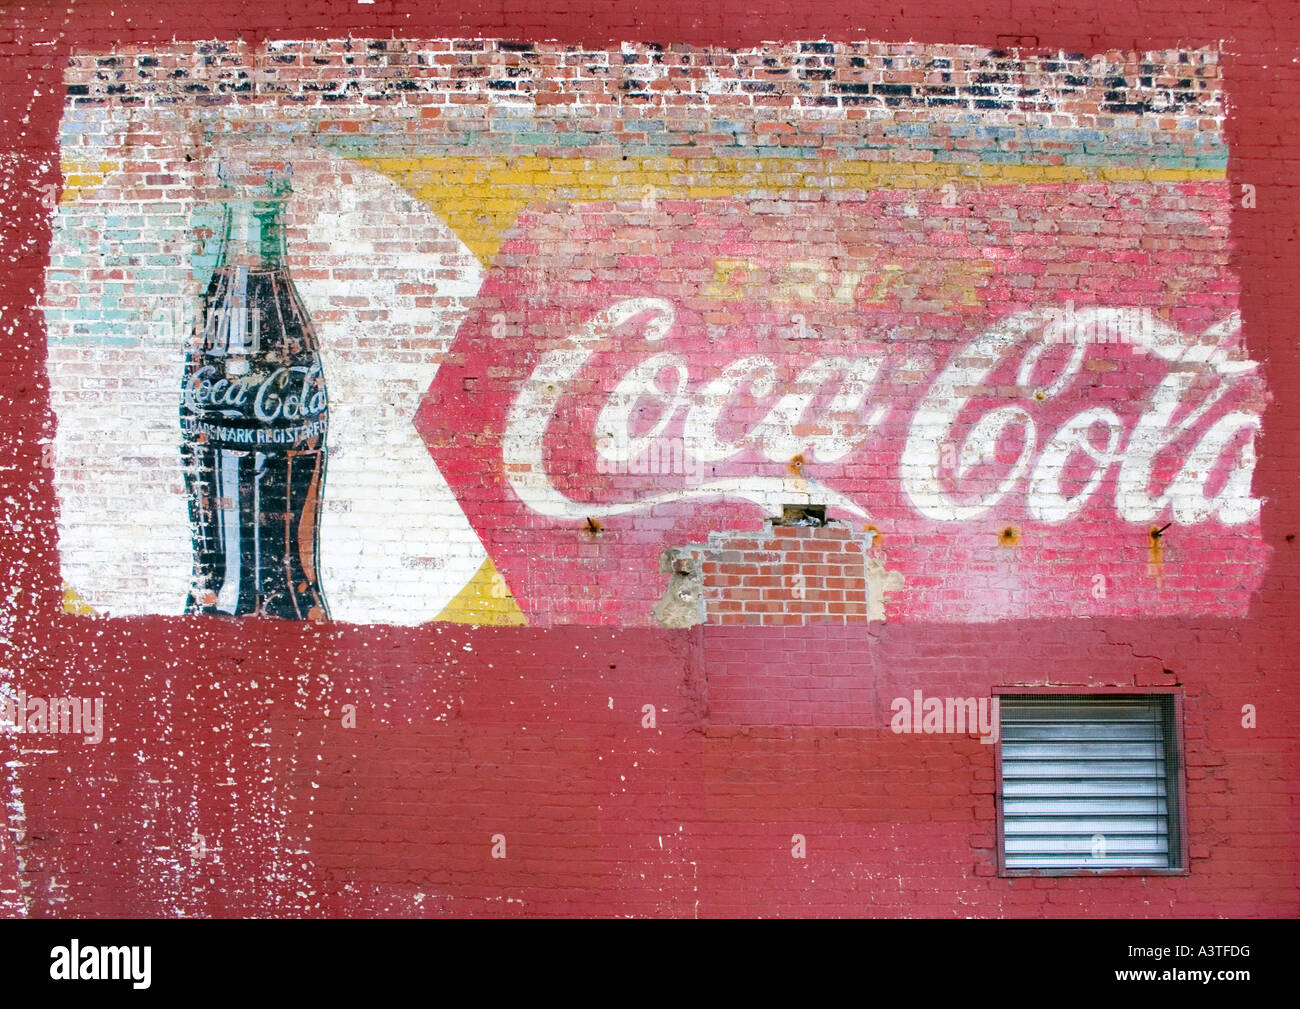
x=285 y=394
x=1095 y=434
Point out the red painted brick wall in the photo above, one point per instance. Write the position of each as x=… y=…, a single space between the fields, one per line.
x=234 y=781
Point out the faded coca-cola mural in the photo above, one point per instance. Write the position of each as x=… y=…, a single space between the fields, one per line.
x=993 y=327
x=1037 y=399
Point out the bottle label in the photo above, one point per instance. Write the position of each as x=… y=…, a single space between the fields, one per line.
x=267 y=407
x=229 y=436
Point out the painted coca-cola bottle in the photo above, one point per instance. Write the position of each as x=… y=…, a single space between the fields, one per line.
x=254 y=416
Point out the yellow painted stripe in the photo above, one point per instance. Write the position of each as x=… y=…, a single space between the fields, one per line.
x=80 y=178
x=480 y=197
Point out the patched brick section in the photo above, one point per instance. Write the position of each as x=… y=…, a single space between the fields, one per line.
x=783 y=575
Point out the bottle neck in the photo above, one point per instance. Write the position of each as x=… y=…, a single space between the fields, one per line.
x=254 y=235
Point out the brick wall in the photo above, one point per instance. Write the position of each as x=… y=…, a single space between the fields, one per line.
x=598 y=294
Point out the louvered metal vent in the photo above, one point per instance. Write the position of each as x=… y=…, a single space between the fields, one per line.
x=1090 y=782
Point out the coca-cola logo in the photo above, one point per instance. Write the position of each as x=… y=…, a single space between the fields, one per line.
x=789 y=429
x=281 y=395
x=642 y=379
